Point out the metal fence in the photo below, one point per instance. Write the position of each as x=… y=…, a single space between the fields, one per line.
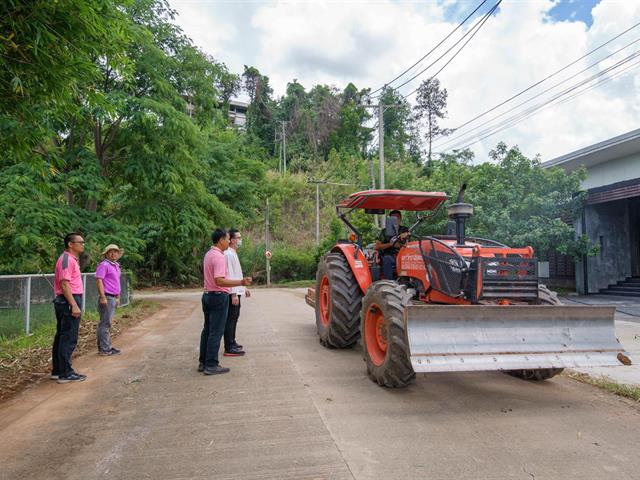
x=26 y=301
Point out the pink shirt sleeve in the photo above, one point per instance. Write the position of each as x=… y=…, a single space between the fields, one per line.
x=101 y=271
x=219 y=266
x=66 y=271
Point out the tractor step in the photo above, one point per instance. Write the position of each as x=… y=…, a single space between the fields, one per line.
x=310 y=297
x=446 y=338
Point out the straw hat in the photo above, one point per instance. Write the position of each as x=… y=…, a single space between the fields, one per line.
x=112 y=246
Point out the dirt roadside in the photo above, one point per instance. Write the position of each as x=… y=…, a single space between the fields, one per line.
x=23 y=366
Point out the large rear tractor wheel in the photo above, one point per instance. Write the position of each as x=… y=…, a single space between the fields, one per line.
x=338 y=300
x=384 y=340
x=547 y=297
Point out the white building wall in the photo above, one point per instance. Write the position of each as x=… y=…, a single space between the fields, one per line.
x=613 y=171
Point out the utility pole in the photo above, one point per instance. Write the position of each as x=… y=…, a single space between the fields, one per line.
x=284 y=146
x=317 y=184
x=266 y=243
x=381 y=110
x=317 y=214
x=372 y=174
x=277 y=148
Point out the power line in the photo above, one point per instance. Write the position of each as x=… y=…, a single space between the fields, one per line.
x=547 y=77
x=434 y=48
x=625 y=70
x=467 y=33
x=479 y=26
x=457 y=137
x=536 y=108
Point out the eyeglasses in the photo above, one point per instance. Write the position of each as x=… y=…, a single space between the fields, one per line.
x=78 y=242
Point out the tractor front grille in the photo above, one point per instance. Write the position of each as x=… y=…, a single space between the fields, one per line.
x=508 y=278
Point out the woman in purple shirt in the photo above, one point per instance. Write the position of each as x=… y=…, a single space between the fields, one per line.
x=108 y=283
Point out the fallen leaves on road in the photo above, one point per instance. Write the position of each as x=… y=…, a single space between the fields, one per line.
x=27 y=359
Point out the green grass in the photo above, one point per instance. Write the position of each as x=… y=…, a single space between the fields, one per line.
x=606 y=383
x=41 y=335
x=12 y=319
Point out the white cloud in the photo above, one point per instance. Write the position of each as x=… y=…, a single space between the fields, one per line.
x=369 y=43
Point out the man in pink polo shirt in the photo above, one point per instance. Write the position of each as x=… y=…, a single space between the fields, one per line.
x=68 y=288
x=215 y=303
x=108 y=284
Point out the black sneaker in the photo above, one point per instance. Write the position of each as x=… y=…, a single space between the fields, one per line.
x=237 y=346
x=234 y=353
x=201 y=367
x=72 y=377
x=110 y=353
x=217 y=370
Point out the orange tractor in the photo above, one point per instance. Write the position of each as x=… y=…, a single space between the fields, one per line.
x=455 y=303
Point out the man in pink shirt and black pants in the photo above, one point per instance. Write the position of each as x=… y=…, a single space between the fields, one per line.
x=68 y=288
x=215 y=303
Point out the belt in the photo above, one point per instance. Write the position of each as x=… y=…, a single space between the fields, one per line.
x=61 y=298
x=112 y=295
x=215 y=293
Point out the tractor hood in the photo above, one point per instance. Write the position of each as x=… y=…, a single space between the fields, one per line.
x=394 y=200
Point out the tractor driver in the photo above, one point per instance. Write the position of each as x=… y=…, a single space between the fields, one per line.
x=389 y=247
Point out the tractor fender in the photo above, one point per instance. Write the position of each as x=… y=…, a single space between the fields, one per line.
x=357 y=262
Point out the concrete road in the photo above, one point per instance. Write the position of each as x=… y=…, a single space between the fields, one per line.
x=291 y=409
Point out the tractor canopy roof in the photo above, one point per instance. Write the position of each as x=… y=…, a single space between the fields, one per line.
x=394 y=200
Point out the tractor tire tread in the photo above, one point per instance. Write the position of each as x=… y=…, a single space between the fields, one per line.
x=396 y=372
x=343 y=329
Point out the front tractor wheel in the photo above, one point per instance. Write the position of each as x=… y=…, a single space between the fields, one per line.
x=546 y=297
x=384 y=340
x=338 y=300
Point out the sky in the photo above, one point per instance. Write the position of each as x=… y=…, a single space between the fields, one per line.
x=370 y=42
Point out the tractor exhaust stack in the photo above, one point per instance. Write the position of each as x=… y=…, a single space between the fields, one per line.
x=459 y=212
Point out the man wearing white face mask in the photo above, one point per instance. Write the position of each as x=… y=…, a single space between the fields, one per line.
x=234 y=272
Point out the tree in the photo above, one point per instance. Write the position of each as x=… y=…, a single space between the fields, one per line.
x=120 y=157
x=399 y=126
x=260 y=122
x=48 y=53
x=431 y=107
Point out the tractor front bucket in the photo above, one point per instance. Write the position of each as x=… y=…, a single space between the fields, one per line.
x=446 y=338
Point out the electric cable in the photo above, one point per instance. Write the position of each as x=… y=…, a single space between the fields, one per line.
x=460 y=135
x=535 y=109
x=548 y=76
x=433 y=49
x=467 y=33
x=459 y=50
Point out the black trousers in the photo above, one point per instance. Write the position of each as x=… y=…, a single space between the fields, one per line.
x=232 y=323
x=66 y=338
x=214 y=307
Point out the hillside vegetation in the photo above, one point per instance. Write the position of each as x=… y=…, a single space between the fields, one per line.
x=113 y=124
